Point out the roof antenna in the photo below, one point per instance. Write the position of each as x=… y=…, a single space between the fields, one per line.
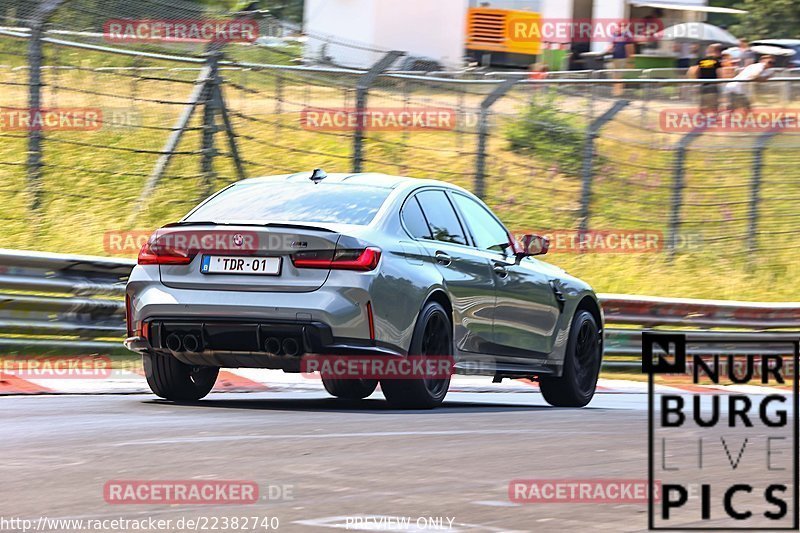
x=318 y=175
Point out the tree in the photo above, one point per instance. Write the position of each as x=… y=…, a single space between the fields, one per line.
x=772 y=19
x=724 y=20
x=288 y=10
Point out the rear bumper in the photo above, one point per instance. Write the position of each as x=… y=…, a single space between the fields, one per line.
x=234 y=343
x=231 y=335
x=332 y=319
x=342 y=309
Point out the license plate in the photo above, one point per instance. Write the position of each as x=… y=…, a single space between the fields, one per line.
x=264 y=266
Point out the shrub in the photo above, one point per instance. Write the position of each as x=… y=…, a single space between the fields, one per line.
x=550 y=135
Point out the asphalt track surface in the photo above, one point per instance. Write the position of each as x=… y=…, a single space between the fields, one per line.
x=340 y=459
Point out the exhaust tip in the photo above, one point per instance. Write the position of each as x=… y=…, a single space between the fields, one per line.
x=272 y=346
x=290 y=347
x=174 y=343
x=191 y=343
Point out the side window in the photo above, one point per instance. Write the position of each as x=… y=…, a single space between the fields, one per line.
x=415 y=220
x=486 y=231
x=442 y=219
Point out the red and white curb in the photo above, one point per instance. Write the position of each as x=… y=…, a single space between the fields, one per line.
x=261 y=380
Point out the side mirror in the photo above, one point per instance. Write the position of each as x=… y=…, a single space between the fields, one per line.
x=532 y=245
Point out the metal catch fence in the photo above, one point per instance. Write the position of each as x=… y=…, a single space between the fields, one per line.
x=604 y=155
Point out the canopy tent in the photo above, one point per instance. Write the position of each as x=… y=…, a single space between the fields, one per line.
x=765 y=49
x=685 y=7
x=697 y=32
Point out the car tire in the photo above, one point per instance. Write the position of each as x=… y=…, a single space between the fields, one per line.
x=173 y=380
x=577 y=384
x=433 y=335
x=349 y=389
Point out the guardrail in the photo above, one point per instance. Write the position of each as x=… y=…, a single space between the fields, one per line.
x=55 y=302
x=63 y=303
x=627 y=317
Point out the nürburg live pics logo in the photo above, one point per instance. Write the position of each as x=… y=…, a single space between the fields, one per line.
x=722 y=431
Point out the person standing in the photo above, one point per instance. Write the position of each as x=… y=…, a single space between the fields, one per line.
x=709 y=67
x=746 y=56
x=687 y=54
x=736 y=91
x=622 y=50
x=729 y=66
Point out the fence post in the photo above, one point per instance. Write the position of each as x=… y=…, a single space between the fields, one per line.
x=38 y=21
x=588 y=159
x=226 y=122
x=755 y=188
x=677 y=187
x=210 y=110
x=483 y=134
x=174 y=138
x=592 y=98
x=644 y=96
x=362 y=89
x=279 y=101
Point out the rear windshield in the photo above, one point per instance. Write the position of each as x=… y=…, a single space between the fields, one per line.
x=294 y=202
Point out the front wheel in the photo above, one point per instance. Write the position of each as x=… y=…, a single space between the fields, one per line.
x=173 y=380
x=433 y=336
x=576 y=386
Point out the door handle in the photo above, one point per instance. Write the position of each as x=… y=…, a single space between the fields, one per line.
x=442 y=258
x=500 y=270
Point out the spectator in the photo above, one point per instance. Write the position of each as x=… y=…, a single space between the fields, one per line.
x=622 y=50
x=538 y=71
x=709 y=68
x=736 y=91
x=728 y=69
x=747 y=57
x=687 y=54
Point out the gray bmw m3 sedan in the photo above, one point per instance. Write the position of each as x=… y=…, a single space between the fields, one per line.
x=272 y=270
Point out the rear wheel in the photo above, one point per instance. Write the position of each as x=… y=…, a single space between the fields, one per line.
x=350 y=389
x=172 y=380
x=576 y=386
x=433 y=336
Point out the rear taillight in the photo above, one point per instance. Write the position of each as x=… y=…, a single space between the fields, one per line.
x=158 y=254
x=363 y=260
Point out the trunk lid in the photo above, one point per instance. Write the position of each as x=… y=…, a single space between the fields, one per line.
x=213 y=243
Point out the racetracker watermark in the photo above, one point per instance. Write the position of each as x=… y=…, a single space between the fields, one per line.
x=613 y=241
x=610 y=241
x=735 y=431
x=181 y=492
x=69 y=119
x=214 y=522
x=125 y=242
x=180 y=30
x=753 y=121
x=54 y=119
x=532 y=29
x=578 y=491
x=168 y=240
x=116 y=118
x=377 y=366
x=56 y=367
x=178 y=239
x=379 y=119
